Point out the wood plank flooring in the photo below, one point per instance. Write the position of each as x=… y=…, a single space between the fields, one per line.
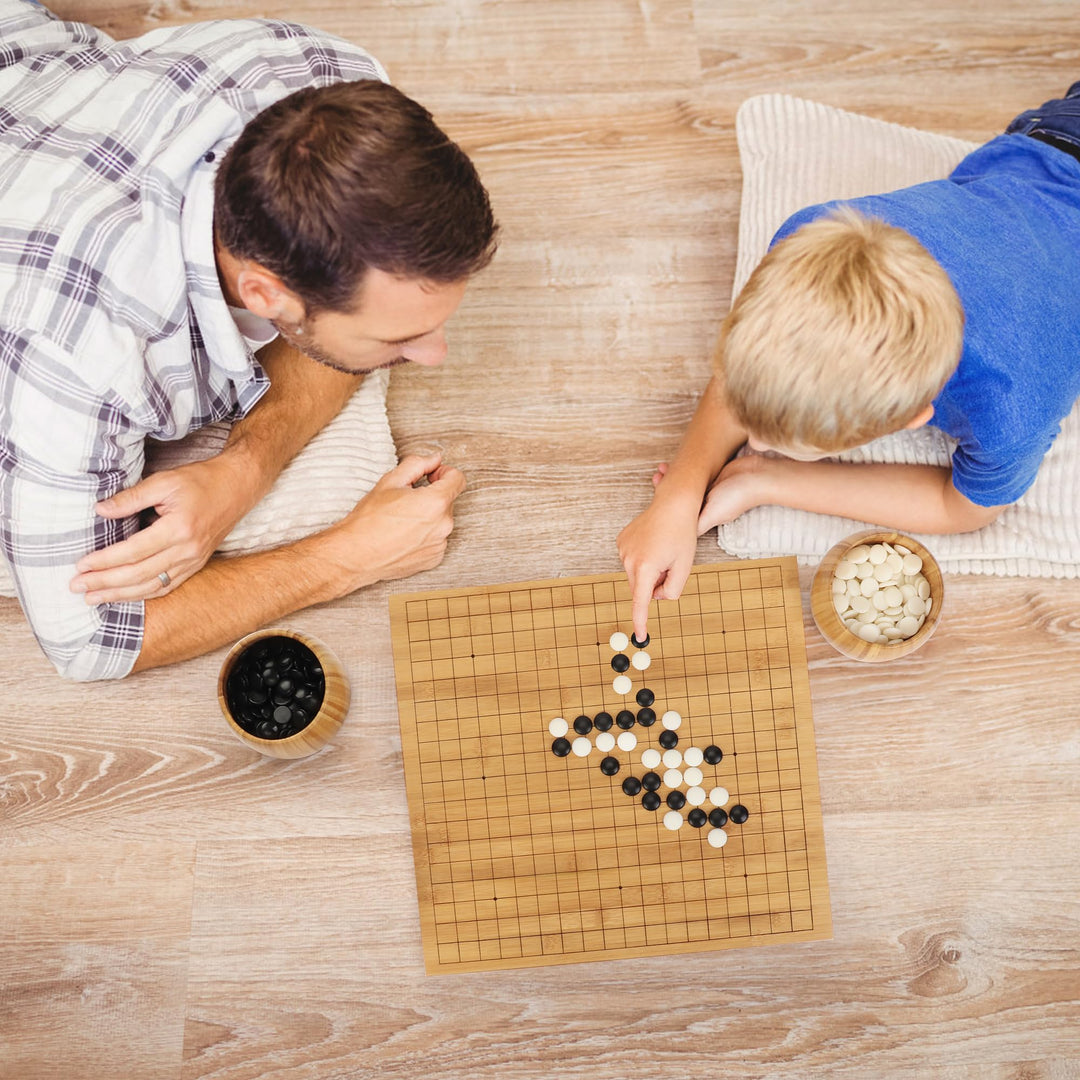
x=173 y=907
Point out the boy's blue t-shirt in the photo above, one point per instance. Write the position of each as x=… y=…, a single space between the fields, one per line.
x=1005 y=226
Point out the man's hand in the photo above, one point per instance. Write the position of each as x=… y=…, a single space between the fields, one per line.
x=397 y=529
x=196 y=504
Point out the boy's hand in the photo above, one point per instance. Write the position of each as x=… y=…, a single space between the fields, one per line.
x=657 y=550
x=740 y=486
x=197 y=505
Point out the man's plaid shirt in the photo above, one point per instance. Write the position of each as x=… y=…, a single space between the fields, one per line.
x=113 y=326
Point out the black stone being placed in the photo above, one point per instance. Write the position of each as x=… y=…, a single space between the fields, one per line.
x=275 y=687
x=639 y=644
x=631 y=785
x=603 y=721
x=676 y=800
x=650 y=800
x=583 y=725
x=651 y=781
x=646 y=717
x=669 y=740
x=697 y=817
x=626 y=719
x=713 y=755
x=560 y=747
x=620 y=662
x=739 y=813
x=609 y=766
x=718 y=818
x=645 y=696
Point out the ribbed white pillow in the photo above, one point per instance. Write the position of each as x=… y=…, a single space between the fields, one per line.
x=318 y=487
x=795 y=153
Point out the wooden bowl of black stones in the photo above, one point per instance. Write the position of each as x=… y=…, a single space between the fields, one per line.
x=283 y=692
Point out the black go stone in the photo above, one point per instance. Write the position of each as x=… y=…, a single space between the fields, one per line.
x=676 y=800
x=609 y=766
x=603 y=721
x=650 y=800
x=560 y=747
x=739 y=813
x=583 y=725
x=646 y=717
x=697 y=817
x=631 y=785
x=645 y=696
x=620 y=662
x=625 y=719
x=718 y=818
x=275 y=687
x=639 y=644
x=669 y=740
x=713 y=755
x=650 y=781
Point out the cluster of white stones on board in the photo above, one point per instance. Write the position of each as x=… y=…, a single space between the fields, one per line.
x=880 y=592
x=681 y=768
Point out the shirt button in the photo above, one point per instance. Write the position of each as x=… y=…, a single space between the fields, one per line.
x=208 y=156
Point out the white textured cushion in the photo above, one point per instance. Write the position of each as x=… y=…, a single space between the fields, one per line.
x=795 y=153
x=318 y=487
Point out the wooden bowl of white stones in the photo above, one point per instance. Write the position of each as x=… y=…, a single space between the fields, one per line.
x=877 y=595
x=283 y=692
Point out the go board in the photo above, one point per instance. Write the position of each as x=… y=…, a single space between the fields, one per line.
x=526 y=858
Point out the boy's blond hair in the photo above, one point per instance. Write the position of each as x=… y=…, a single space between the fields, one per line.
x=846 y=331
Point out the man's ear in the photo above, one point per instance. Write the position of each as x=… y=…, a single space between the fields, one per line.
x=264 y=294
x=921 y=418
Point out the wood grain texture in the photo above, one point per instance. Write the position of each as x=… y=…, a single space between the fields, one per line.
x=175 y=905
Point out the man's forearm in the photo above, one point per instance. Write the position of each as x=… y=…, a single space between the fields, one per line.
x=304 y=396
x=915 y=498
x=231 y=597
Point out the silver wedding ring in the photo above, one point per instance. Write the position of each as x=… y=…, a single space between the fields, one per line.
x=164 y=578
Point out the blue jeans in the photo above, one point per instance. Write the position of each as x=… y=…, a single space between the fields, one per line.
x=1057 y=121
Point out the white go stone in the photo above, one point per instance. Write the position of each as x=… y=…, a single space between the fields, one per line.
x=651 y=758
x=605 y=741
x=622 y=685
x=671 y=720
x=692 y=776
x=627 y=740
x=641 y=660
x=673 y=779
x=695 y=796
x=673 y=820
x=558 y=727
x=693 y=755
x=672 y=759
x=717 y=838
x=618 y=641
x=581 y=746
x=719 y=796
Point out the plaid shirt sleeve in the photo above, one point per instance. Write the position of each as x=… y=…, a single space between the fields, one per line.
x=112 y=324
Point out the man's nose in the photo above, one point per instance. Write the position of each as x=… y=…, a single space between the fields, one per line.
x=430 y=350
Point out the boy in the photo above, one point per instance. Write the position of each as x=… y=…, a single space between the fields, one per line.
x=955 y=301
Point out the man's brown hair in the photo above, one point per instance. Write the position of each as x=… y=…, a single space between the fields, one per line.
x=331 y=181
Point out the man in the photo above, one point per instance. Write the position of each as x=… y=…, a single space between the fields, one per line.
x=169 y=207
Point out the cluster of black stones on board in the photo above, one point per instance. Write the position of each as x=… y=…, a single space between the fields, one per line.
x=275 y=688
x=680 y=766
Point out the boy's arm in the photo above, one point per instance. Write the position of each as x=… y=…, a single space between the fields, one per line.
x=913 y=498
x=396 y=530
x=198 y=504
x=657 y=547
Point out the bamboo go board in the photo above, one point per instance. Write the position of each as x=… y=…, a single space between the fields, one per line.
x=525 y=858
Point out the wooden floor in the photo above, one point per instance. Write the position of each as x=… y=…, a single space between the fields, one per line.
x=173 y=906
